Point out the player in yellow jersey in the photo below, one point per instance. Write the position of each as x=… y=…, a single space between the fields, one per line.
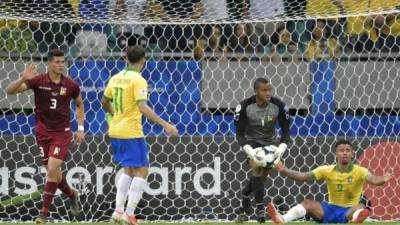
x=345 y=183
x=125 y=99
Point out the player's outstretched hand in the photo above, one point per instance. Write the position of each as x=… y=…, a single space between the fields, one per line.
x=171 y=130
x=387 y=177
x=79 y=137
x=279 y=166
x=29 y=72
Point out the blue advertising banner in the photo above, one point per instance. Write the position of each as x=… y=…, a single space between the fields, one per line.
x=174 y=91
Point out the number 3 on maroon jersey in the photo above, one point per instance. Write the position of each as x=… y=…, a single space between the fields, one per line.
x=53 y=103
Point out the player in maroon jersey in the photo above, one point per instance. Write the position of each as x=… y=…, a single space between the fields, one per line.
x=53 y=93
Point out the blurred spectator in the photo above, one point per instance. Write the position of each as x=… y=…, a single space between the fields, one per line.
x=215 y=10
x=321 y=47
x=286 y=48
x=91 y=39
x=182 y=9
x=174 y=37
x=47 y=35
x=389 y=29
x=239 y=41
x=323 y=8
x=295 y=7
x=361 y=36
x=216 y=42
x=129 y=10
x=238 y=9
x=16 y=36
x=326 y=8
x=261 y=33
x=387 y=25
x=261 y=9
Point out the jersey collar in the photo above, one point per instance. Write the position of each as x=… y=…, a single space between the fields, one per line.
x=132 y=69
x=349 y=168
x=48 y=79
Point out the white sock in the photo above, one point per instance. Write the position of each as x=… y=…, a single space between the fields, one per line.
x=135 y=194
x=294 y=213
x=123 y=185
x=356 y=213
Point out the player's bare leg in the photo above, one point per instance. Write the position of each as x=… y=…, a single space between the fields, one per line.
x=357 y=214
x=73 y=195
x=310 y=207
x=135 y=193
x=53 y=174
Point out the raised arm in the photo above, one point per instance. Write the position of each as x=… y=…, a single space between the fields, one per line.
x=300 y=176
x=378 y=180
x=19 y=85
x=151 y=115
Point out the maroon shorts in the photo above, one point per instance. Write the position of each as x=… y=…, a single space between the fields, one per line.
x=53 y=144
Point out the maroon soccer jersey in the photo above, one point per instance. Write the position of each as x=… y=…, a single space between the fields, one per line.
x=52 y=102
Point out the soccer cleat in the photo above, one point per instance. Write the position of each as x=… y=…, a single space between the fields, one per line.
x=75 y=205
x=242 y=215
x=361 y=216
x=274 y=214
x=261 y=216
x=41 y=219
x=116 y=217
x=129 y=220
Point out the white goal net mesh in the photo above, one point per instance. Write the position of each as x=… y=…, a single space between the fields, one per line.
x=333 y=62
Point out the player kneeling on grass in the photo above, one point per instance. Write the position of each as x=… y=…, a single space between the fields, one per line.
x=345 y=183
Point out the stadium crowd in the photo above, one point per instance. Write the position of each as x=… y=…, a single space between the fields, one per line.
x=304 y=38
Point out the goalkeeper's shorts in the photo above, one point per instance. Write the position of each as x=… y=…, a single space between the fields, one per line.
x=334 y=213
x=130 y=152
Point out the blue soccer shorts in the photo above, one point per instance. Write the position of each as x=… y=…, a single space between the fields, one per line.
x=334 y=213
x=130 y=152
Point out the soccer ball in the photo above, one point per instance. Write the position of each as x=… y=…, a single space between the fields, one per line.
x=265 y=156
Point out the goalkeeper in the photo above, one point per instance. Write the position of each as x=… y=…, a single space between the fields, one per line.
x=345 y=183
x=255 y=120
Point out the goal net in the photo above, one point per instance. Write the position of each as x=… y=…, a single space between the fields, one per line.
x=334 y=64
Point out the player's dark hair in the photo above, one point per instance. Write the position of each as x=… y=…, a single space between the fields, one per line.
x=134 y=54
x=259 y=81
x=343 y=142
x=54 y=53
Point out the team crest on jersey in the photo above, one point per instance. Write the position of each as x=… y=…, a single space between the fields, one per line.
x=63 y=91
x=143 y=92
x=350 y=179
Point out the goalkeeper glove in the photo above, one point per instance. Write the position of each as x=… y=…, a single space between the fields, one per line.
x=279 y=151
x=249 y=151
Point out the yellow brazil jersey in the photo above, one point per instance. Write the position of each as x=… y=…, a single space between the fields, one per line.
x=126 y=89
x=344 y=188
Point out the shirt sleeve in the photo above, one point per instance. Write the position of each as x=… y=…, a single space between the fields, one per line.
x=319 y=173
x=33 y=83
x=75 y=90
x=283 y=120
x=364 y=173
x=240 y=118
x=108 y=91
x=140 y=90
